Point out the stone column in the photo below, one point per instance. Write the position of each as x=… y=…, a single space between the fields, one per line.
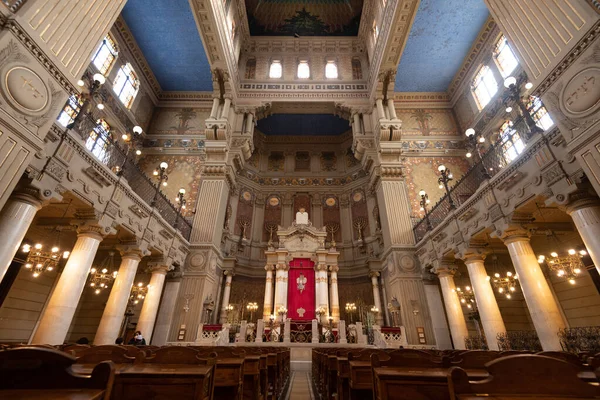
x=375 y=282
x=226 y=108
x=392 y=109
x=226 y=294
x=586 y=216
x=321 y=290
x=439 y=324
x=151 y=302
x=281 y=286
x=166 y=310
x=489 y=312
x=356 y=124
x=115 y=308
x=333 y=293
x=215 y=107
x=15 y=219
x=268 y=303
x=249 y=123
x=542 y=306
x=58 y=315
x=454 y=313
x=380 y=110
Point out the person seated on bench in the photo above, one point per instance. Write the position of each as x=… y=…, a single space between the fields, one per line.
x=137 y=339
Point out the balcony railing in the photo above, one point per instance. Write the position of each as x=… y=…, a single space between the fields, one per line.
x=492 y=162
x=120 y=161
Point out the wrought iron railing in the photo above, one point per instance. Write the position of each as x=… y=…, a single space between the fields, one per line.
x=491 y=162
x=581 y=339
x=476 y=342
x=519 y=340
x=122 y=162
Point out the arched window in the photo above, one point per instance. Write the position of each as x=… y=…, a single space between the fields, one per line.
x=484 y=86
x=356 y=69
x=106 y=55
x=539 y=113
x=331 y=70
x=303 y=70
x=98 y=142
x=70 y=111
x=250 y=68
x=276 y=70
x=126 y=85
x=505 y=58
x=511 y=142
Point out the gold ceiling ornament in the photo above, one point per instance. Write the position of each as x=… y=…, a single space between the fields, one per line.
x=103 y=275
x=567 y=266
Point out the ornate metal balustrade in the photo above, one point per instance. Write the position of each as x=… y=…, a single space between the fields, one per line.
x=476 y=342
x=491 y=163
x=301 y=332
x=519 y=340
x=121 y=161
x=581 y=339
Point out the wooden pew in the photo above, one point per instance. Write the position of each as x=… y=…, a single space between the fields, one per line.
x=114 y=353
x=523 y=377
x=474 y=359
x=37 y=373
x=568 y=357
x=360 y=375
x=229 y=373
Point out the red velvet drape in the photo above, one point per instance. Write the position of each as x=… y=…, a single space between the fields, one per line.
x=305 y=300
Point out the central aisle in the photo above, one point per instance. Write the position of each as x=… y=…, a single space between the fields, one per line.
x=300 y=387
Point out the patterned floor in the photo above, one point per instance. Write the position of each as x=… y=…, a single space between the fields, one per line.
x=300 y=387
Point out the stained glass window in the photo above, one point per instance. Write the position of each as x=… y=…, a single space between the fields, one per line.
x=331 y=70
x=106 y=55
x=70 y=111
x=511 y=143
x=505 y=58
x=126 y=85
x=484 y=86
x=303 y=70
x=539 y=113
x=98 y=141
x=276 y=70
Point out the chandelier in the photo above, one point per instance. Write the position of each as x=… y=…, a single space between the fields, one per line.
x=567 y=266
x=40 y=260
x=138 y=292
x=466 y=297
x=503 y=281
x=102 y=276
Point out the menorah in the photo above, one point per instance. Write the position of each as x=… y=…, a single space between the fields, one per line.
x=270 y=227
x=360 y=223
x=244 y=223
x=332 y=227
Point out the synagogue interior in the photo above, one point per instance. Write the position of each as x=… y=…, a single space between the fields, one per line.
x=299 y=199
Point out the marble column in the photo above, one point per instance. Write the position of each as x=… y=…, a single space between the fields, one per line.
x=489 y=312
x=215 y=107
x=454 y=313
x=542 y=305
x=586 y=216
x=249 y=123
x=334 y=294
x=166 y=310
x=376 y=297
x=58 y=315
x=152 y=301
x=321 y=290
x=226 y=108
x=115 y=308
x=392 y=109
x=357 y=129
x=15 y=219
x=380 y=109
x=281 y=286
x=268 y=303
x=226 y=294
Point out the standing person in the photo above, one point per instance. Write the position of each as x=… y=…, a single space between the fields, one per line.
x=138 y=339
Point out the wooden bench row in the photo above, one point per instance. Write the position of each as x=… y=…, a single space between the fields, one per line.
x=342 y=373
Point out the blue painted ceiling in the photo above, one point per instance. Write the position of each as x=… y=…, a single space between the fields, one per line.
x=166 y=33
x=441 y=36
x=303 y=124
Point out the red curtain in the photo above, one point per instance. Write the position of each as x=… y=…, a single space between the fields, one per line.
x=301 y=303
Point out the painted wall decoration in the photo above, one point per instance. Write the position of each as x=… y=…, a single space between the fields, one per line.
x=245 y=210
x=276 y=161
x=360 y=214
x=328 y=161
x=272 y=215
x=254 y=160
x=331 y=215
x=422 y=173
x=351 y=161
x=183 y=171
x=304 y=17
x=179 y=121
x=428 y=122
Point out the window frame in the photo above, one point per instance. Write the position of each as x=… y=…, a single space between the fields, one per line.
x=100 y=134
x=502 y=46
x=113 y=51
x=71 y=109
x=482 y=79
x=337 y=70
x=538 y=112
x=132 y=80
x=357 y=73
x=510 y=140
x=303 y=61
x=275 y=61
x=247 y=70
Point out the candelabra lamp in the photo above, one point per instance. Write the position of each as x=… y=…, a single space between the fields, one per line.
x=466 y=297
x=515 y=87
x=282 y=311
x=103 y=275
x=244 y=223
x=424 y=203
x=180 y=200
x=360 y=223
x=132 y=144
x=161 y=175
x=474 y=146
x=506 y=284
x=40 y=260
x=270 y=227
x=332 y=228
x=445 y=178
x=567 y=266
x=350 y=310
x=252 y=307
x=94 y=84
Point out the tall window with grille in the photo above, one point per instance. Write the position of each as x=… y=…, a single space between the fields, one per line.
x=105 y=56
x=484 y=86
x=539 y=113
x=126 y=85
x=356 y=69
x=98 y=143
x=505 y=58
x=250 y=69
x=70 y=111
x=511 y=143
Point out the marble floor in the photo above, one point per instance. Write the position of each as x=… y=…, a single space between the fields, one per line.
x=300 y=387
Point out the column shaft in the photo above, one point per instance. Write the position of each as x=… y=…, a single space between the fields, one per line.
x=587 y=221
x=226 y=107
x=356 y=128
x=15 y=219
x=114 y=311
x=226 y=294
x=249 y=123
x=380 y=110
x=321 y=290
x=215 y=107
x=491 y=319
x=377 y=297
x=281 y=283
x=151 y=302
x=334 y=295
x=166 y=312
x=542 y=306
x=392 y=109
x=268 y=303
x=456 y=318
x=56 y=319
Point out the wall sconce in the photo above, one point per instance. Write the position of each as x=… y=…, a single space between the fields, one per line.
x=415 y=307
x=186 y=306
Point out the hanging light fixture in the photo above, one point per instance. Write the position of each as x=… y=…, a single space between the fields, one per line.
x=466 y=297
x=40 y=260
x=102 y=276
x=503 y=281
x=567 y=266
x=138 y=293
